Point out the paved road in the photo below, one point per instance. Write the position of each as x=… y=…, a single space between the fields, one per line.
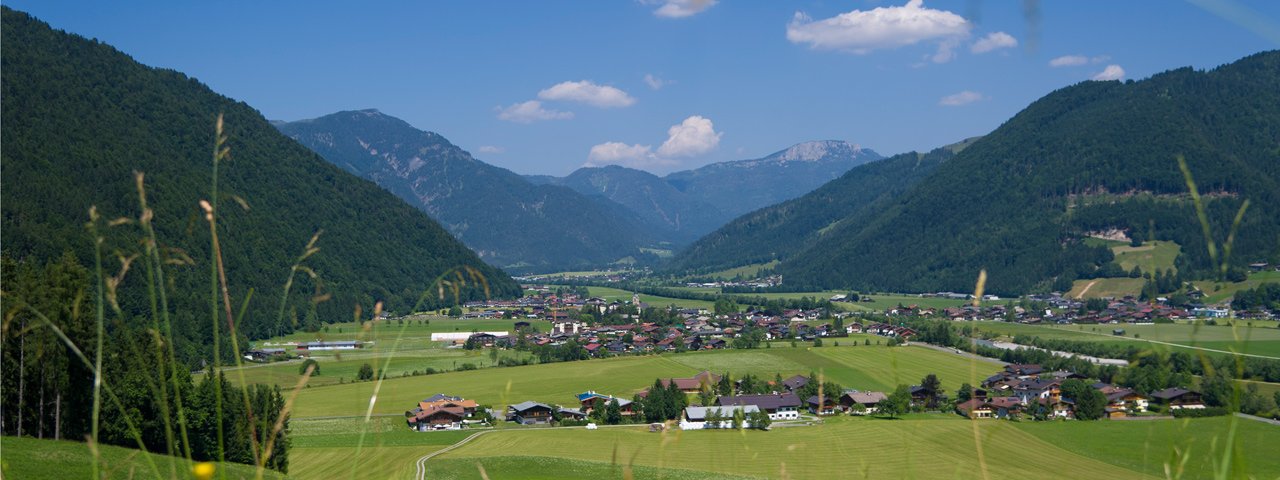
x=1258 y=419
x=973 y=356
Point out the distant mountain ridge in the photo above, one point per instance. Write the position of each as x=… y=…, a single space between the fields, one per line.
x=1019 y=201
x=691 y=203
x=509 y=221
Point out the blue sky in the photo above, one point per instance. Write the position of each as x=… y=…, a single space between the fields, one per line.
x=548 y=86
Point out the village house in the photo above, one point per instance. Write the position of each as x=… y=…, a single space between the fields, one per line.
x=779 y=406
x=323 y=345
x=695 y=418
x=440 y=412
x=870 y=401
x=695 y=384
x=1175 y=398
x=824 y=405
x=529 y=413
x=590 y=400
x=1121 y=401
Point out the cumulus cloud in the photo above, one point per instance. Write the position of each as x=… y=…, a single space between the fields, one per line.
x=1076 y=60
x=655 y=82
x=618 y=153
x=680 y=8
x=490 y=149
x=1069 y=61
x=589 y=93
x=529 y=112
x=692 y=137
x=993 y=41
x=1112 y=72
x=963 y=98
x=862 y=32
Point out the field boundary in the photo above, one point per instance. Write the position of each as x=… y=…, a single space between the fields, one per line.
x=422 y=461
x=1171 y=344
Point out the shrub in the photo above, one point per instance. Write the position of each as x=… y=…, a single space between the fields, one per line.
x=302 y=370
x=1198 y=412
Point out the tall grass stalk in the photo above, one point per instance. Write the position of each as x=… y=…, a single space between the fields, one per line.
x=1224 y=468
x=99 y=319
x=219 y=152
x=153 y=284
x=978 y=290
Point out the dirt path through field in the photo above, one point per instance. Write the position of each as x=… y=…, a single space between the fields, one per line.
x=1086 y=289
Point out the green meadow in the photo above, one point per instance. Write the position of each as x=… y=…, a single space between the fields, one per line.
x=1149 y=256
x=612 y=294
x=863 y=367
x=1258 y=340
x=918 y=446
x=30 y=459
x=1217 y=292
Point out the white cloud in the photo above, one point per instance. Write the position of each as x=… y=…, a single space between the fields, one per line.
x=963 y=98
x=1076 y=60
x=946 y=51
x=1069 y=61
x=490 y=149
x=621 y=154
x=589 y=93
x=680 y=8
x=694 y=136
x=655 y=82
x=1112 y=72
x=993 y=41
x=529 y=112
x=861 y=32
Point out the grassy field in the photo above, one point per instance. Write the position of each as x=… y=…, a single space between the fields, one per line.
x=1150 y=256
x=612 y=294
x=340 y=368
x=326 y=448
x=1219 y=292
x=924 y=446
x=1242 y=339
x=412 y=329
x=408 y=344
x=1105 y=287
x=1148 y=445
x=518 y=468
x=862 y=367
x=921 y=446
x=745 y=271
x=31 y=459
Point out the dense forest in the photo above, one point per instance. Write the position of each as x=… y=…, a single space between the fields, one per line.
x=80 y=118
x=483 y=205
x=1090 y=157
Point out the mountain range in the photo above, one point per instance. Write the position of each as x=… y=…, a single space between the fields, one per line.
x=507 y=220
x=1021 y=201
x=691 y=203
x=594 y=216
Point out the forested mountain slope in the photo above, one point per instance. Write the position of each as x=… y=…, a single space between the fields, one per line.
x=80 y=117
x=508 y=220
x=779 y=231
x=1088 y=158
